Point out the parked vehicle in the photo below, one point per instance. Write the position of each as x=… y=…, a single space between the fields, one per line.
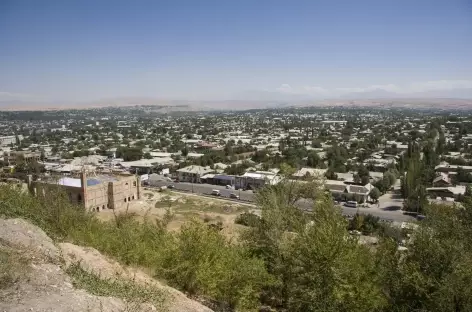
x=351 y=203
x=420 y=217
x=229 y=187
x=216 y=193
x=232 y=195
x=170 y=186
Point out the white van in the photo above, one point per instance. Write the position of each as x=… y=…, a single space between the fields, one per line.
x=351 y=203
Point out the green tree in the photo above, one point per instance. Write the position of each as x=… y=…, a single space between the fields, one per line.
x=435 y=272
x=311 y=256
x=331 y=175
x=202 y=262
x=375 y=194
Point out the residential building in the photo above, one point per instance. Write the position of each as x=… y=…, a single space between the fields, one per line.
x=341 y=191
x=446 y=192
x=16 y=157
x=193 y=173
x=256 y=179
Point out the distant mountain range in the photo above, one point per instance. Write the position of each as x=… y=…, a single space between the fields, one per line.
x=259 y=95
x=461 y=99
x=379 y=93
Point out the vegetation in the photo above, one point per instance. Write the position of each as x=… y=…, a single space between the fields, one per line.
x=197 y=260
x=248 y=219
x=13 y=266
x=288 y=260
x=133 y=294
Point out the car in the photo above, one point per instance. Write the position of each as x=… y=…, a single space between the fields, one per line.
x=170 y=186
x=229 y=187
x=351 y=203
x=232 y=195
x=216 y=193
x=420 y=217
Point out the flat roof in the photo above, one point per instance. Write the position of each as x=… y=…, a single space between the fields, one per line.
x=75 y=182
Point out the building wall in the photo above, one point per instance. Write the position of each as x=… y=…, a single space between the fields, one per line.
x=7 y=140
x=97 y=197
x=248 y=182
x=74 y=194
x=123 y=191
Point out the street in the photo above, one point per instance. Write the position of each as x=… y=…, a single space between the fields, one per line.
x=389 y=207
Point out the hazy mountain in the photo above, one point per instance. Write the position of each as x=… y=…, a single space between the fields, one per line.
x=374 y=94
x=382 y=94
x=275 y=96
x=260 y=100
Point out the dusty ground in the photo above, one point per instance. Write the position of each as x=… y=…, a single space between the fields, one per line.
x=33 y=276
x=154 y=204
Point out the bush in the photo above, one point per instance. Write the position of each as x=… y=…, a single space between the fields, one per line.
x=248 y=219
x=198 y=260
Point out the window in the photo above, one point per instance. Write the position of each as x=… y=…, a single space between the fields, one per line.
x=125 y=199
x=129 y=198
x=132 y=197
x=103 y=207
x=134 y=183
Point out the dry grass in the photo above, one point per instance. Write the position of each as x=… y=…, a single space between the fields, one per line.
x=13 y=267
x=184 y=208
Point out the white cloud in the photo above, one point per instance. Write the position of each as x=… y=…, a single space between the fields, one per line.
x=285 y=88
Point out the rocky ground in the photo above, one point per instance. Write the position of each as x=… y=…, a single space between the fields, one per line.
x=35 y=275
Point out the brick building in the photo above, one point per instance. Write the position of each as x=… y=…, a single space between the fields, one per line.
x=95 y=193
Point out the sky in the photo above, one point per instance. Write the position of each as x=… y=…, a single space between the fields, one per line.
x=226 y=49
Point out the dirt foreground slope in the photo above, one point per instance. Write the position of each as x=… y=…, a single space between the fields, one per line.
x=35 y=275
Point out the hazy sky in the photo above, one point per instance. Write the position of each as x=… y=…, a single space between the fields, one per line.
x=198 y=49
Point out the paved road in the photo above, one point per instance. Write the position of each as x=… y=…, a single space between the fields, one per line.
x=387 y=210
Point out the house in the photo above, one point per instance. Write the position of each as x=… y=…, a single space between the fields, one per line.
x=220 y=166
x=342 y=191
x=224 y=179
x=16 y=157
x=155 y=179
x=444 y=167
x=203 y=145
x=442 y=180
x=194 y=155
x=306 y=172
x=192 y=173
x=256 y=179
x=95 y=193
x=446 y=192
x=146 y=165
x=10 y=139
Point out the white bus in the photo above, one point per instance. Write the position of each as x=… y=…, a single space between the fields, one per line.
x=351 y=203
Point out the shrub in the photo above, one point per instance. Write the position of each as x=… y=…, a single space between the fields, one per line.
x=248 y=219
x=198 y=260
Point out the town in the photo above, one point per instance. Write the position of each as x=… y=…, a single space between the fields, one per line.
x=387 y=163
x=235 y=156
